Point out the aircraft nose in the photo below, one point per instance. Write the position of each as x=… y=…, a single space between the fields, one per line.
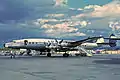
x=3 y=45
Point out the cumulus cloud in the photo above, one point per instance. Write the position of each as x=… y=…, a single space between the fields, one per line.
x=43 y=21
x=56 y=21
x=60 y=2
x=67 y=22
x=109 y=10
x=101 y=17
x=114 y=25
x=59 y=28
x=60 y=33
x=21 y=10
x=76 y=34
x=63 y=27
x=55 y=15
x=55 y=24
x=91 y=7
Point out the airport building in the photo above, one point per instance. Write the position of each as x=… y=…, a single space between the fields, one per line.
x=110 y=52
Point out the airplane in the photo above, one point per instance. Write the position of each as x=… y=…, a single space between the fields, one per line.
x=48 y=45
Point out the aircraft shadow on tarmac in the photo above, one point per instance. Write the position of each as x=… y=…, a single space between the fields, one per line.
x=37 y=57
x=108 y=61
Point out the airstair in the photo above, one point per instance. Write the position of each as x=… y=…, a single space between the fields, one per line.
x=84 y=51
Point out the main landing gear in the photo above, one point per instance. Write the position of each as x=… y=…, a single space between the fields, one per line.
x=49 y=54
x=83 y=55
x=65 y=55
x=28 y=52
x=12 y=56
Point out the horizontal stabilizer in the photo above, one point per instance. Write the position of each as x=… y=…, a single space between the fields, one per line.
x=89 y=39
x=113 y=38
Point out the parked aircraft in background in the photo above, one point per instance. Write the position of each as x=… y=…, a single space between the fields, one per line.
x=48 y=45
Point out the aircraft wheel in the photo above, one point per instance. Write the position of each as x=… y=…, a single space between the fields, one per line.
x=12 y=56
x=84 y=55
x=77 y=54
x=65 y=55
x=49 y=55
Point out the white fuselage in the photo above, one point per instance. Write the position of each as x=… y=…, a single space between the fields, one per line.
x=37 y=44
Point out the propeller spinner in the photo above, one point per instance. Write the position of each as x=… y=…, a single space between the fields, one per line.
x=58 y=42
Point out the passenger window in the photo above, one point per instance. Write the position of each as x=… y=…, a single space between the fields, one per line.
x=32 y=42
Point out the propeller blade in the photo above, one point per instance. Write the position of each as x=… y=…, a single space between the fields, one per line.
x=49 y=44
x=45 y=44
x=56 y=40
x=61 y=41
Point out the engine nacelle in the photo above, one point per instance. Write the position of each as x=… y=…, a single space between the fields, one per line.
x=89 y=45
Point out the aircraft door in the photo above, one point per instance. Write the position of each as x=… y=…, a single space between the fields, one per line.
x=25 y=42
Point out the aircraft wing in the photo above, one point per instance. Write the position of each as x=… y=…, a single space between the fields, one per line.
x=89 y=39
x=105 y=43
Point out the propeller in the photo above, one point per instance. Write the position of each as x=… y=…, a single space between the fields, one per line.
x=58 y=42
x=47 y=44
x=61 y=41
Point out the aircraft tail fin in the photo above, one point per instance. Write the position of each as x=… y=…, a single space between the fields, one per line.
x=112 y=41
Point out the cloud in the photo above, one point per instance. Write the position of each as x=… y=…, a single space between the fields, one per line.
x=43 y=21
x=101 y=17
x=49 y=17
x=76 y=34
x=109 y=10
x=55 y=15
x=56 y=24
x=60 y=33
x=61 y=2
x=114 y=25
x=58 y=28
x=61 y=27
x=91 y=7
x=21 y=10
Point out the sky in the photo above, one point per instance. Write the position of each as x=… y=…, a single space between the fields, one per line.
x=66 y=19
